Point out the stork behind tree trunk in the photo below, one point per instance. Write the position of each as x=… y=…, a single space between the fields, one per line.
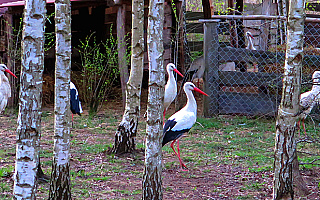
x=75 y=104
x=308 y=100
x=5 y=88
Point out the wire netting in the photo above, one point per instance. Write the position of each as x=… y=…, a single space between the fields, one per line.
x=251 y=57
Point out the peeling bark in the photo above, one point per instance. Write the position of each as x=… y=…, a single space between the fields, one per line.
x=286 y=126
x=29 y=119
x=60 y=176
x=152 y=183
x=127 y=129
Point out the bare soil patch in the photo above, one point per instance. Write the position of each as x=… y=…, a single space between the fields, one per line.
x=96 y=175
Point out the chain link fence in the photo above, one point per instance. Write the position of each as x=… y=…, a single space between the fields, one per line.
x=249 y=64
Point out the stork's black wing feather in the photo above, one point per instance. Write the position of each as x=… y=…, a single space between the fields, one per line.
x=169 y=134
x=74 y=102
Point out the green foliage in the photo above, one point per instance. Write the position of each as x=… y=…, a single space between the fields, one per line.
x=6 y=171
x=100 y=69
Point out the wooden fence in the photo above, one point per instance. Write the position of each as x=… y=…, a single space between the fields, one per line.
x=235 y=92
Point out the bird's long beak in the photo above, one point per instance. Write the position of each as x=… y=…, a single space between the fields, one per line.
x=7 y=70
x=200 y=91
x=251 y=36
x=178 y=72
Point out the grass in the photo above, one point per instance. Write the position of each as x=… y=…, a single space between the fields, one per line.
x=233 y=141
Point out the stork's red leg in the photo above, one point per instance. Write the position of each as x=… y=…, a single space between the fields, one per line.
x=72 y=120
x=299 y=127
x=178 y=154
x=164 y=116
x=304 y=128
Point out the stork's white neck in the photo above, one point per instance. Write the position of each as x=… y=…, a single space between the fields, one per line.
x=191 y=105
x=171 y=78
x=250 y=43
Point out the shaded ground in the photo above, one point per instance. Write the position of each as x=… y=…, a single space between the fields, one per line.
x=218 y=167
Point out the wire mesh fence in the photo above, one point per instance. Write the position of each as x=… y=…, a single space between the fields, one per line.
x=249 y=64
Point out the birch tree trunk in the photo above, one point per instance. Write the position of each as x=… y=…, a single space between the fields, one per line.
x=286 y=126
x=29 y=119
x=60 y=177
x=127 y=129
x=152 y=184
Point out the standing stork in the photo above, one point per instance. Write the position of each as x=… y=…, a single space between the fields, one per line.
x=308 y=100
x=5 y=88
x=182 y=121
x=170 y=92
x=250 y=41
x=75 y=104
x=251 y=47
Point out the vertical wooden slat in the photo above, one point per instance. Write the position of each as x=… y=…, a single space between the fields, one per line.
x=124 y=75
x=211 y=62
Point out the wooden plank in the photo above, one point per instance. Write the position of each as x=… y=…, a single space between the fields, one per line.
x=230 y=54
x=194 y=15
x=194 y=27
x=231 y=78
x=248 y=104
x=252 y=17
x=195 y=45
x=123 y=68
x=211 y=75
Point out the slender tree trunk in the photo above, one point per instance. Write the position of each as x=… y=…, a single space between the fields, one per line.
x=124 y=137
x=60 y=176
x=29 y=120
x=286 y=126
x=121 y=32
x=152 y=184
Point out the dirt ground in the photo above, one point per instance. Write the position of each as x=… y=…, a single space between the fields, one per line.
x=96 y=175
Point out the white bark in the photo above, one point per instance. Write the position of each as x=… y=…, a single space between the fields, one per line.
x=124 y=137
x=285 y=148
x=60 y=177
x=152 y=185
x=29 y=119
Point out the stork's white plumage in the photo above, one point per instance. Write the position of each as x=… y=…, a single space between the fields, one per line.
x=182 y=121
x=309 y=99
x=250 y=41
x=171 y=87
x=5 y=88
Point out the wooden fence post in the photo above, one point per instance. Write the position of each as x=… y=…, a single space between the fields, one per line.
x=211 y=63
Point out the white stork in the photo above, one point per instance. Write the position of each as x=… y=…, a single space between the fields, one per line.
x=251 y=47
x=182 y=121
x=309 y=99
x=5 y=88
x=250 y=41
x=170 y=92
x=75 y=104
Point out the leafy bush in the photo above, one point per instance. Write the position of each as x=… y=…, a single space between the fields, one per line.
x=100 y=69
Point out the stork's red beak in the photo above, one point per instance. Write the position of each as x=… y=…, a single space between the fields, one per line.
x=200 y=91
x=251 y=36
x=178 y=72
x=7 y=70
